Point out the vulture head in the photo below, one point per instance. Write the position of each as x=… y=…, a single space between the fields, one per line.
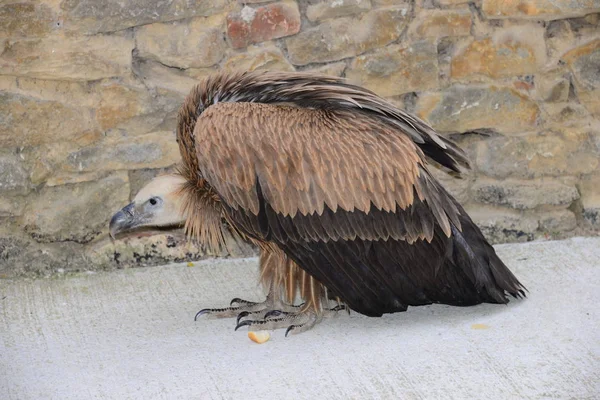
x=157 y=205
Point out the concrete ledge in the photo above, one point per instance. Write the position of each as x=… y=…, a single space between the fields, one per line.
x=131 y=334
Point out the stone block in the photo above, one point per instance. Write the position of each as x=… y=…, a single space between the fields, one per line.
x=255 y=25
x=28 y=19
x=336 y=8
x=397 y=69
x=584 y=63
x=159 y=77
x=522 y=195
x=154 y=150
x=191 y=43
x=539 y=9
x=347 y=37
x=14 y=176
x=589 y=186
x=77 y=212
x=94 y=16
x=132 y=110
x=552 y=87
x=466 y=108
x=510 y=52
x=25 y=121
x=537 y=155
x=440 y=23
x=331 y=69
x=503 y=225
x=265 y=56
x=554 y=222
x=72 y=93
x=75 y=58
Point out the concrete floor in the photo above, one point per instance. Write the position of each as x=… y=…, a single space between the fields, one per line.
x=131 y=335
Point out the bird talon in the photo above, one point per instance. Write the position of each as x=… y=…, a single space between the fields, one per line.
x=289 y=329
x=244 y=323
x=202 y=312
x=242 y=315
x=274 y=313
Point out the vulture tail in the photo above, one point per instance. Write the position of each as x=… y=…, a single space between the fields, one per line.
x=472 y=253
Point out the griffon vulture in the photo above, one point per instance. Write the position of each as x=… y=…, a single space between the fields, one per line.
x=332 y=183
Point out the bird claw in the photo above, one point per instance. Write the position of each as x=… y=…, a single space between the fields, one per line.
x=274 y=313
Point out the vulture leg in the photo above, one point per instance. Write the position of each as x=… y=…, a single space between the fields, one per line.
x=295 y=322
x=243 y=308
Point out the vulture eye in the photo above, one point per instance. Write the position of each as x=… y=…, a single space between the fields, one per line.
x=153 y=201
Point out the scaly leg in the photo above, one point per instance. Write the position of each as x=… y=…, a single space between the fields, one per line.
x=301 y=320
x=243 y=308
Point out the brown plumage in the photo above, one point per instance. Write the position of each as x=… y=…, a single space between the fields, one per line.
x=331 y=182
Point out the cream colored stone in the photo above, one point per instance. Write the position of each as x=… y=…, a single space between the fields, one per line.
x=331 y=69
x=397 y=69
x=510 y=52
x=524 y=194
x=538 y=155
x=336 y=8
x=346 y=37
x=464 y=108
x=539 y=9
x=501 y=225
x=75 y=212
x=440 y=23
x=584 y=63
x=266 y=56
x=193 y=43
x=158 y=76
x=73 y=93
x=28 y=122
x=552 y=87
x=75 y=58
x=154 y=150
x=589 y=186
x=93 y=16
x=27 y=19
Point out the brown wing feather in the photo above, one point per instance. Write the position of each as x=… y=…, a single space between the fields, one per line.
x=306 y=159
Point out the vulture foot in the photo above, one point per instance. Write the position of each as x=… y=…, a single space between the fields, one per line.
x=294 y=322
x=243 y=308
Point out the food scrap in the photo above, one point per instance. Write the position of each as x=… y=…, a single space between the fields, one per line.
x=259 y=337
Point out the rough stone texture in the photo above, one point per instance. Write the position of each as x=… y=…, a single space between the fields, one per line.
x=539 y=9
x=191 y=43
x=347 y=37
x=68 y=58
x=264 y=56
x=90 y=89
x=584 y=63
x=522 y=195
x=90 y=207
x=397 y=69
x=537 y=155
x=590 y=198
x=336 y=8
x=27 y=19
x=255 y=25
x=440 y=23
x=93 y=16
x=38 y=122
x=511 y=52
x=467 y=108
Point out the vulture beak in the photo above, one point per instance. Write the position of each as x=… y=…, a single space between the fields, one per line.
x=123 y=220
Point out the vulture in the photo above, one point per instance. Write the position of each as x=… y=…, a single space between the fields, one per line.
x=333 y=185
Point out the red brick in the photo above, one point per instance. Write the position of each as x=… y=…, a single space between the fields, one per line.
x=255 y=25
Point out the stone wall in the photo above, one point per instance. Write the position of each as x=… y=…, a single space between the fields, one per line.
x=89 y=91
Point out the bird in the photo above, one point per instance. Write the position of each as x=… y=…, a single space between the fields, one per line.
x=333 y=185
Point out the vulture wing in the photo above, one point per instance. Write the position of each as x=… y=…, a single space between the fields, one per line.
x=348 y=197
